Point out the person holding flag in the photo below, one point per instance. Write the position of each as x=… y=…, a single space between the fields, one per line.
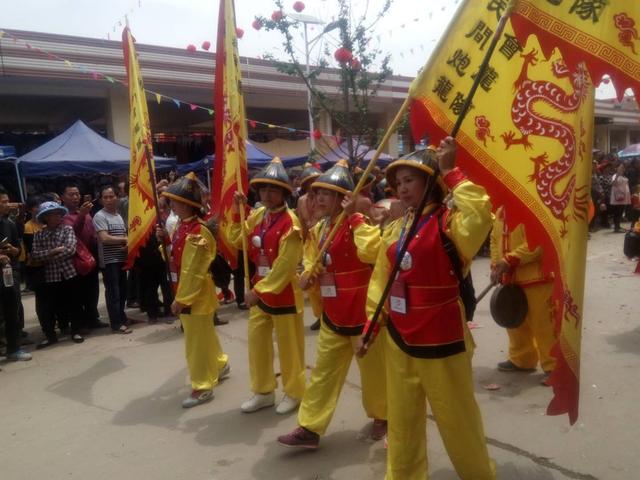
x=428 y=348
x=193 y=249
x=512 y=261
x=274 y=237
x=343 y=281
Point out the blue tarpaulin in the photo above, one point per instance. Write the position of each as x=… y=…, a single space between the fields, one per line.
x=256 y=158
x=80 y=151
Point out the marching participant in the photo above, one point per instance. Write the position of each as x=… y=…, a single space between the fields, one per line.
x=275 y=246
x=343 y=285
x=429 y=347
x=513 y=262
x=308 y=216
x=193 y=248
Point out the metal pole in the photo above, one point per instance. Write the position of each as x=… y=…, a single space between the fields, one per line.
x=309 y=97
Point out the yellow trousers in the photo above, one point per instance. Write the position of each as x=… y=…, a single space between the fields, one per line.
x=333 y=358
x=532 y=341
x=205 y=357
x=316 y=301
x=447 y=384
x=290 y=338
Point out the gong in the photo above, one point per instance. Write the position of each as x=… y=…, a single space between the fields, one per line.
x=509 y=306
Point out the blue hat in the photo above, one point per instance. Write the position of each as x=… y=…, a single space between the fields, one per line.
x=47 y=207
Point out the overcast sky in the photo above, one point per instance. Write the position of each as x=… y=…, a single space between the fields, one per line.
x=409 y=31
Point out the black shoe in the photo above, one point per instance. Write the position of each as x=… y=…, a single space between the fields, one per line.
x=64 y=331
x=98 y=324
x=217 y=321
x=47 y=342
x=243 y=306
x=509 y=366
x=77 y=338
x=24 y=334
x=315 y=325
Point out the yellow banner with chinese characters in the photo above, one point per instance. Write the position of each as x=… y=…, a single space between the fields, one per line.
x=230 y=165
x=601 y=33
x=527 y=139
x=142 y=206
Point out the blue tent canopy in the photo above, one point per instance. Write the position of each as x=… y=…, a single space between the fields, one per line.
x=256 y=158
x=80 y=151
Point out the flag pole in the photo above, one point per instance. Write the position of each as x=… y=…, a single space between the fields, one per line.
x=432 y=178
x=243 y=226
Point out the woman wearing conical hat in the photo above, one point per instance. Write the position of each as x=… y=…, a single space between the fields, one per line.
x=275 y=247
x=428 y=346
x=345 y=274
x=193 y=248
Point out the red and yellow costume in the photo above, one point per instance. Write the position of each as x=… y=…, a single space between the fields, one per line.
x=280 y=303
x=532 y=341
x=429 y=348
x=352 y=252
x=193 y=248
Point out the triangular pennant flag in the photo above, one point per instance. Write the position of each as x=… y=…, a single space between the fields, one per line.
x=210 y=111
x=177 y=102
x=192 y=106
x=252 y=123
x=109 y=79
x=68 y=63
x=158 y=98
x=94 y=75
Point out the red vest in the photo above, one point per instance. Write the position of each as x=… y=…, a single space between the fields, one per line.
x=433 y=324
x=280 y=224
x=177 y=247
x=345 y=313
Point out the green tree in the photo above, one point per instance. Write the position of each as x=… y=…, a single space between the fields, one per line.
x=362 y=69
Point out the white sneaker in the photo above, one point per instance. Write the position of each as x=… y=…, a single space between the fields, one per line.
x=287 y=405
x=258 y=401
x=225 y=372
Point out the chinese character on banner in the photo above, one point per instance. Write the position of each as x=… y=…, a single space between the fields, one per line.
x=457 y=104
x=498 y=6
x=443 y=88
x=460 y=61
x=510 y=46
x=488 y=79
x=588 y=9
x=481 y=34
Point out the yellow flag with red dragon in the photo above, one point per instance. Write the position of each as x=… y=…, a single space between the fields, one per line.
x=142 y=207
x=527 y=138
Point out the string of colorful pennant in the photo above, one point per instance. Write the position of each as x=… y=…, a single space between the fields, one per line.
x=159 y=97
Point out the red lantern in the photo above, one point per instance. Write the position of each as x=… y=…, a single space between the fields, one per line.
x=355 y=64
x=239 y=32
x=191 y=48
x=277 y=15
x=206 y=45
x=343 y=55
x=257 y=24
x=317 y=134
x=298 y=6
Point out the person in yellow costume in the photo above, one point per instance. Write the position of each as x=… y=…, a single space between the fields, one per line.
x=275 y=247
x=307 y=214
x=428 y=347
x=343 y=280
x=512 y=261
x=193 y=248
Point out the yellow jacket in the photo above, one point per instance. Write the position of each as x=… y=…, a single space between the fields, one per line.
x=195 y=286
x=283 y=271
x=467 y=224
x=513 y=248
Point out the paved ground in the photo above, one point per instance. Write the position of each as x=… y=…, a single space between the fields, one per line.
x=110 y=408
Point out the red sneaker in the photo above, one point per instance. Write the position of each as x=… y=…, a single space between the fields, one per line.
x=301 y=438
x=378 y=430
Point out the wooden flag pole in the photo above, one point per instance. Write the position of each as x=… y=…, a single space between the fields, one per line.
x=245 y=251
x=432 y=178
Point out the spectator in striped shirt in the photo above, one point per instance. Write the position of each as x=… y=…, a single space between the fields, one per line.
x=112 y=253
x=55 y=247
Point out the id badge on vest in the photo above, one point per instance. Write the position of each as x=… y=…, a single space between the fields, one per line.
x=328 y=285
x=398 y=297
x=264 y=268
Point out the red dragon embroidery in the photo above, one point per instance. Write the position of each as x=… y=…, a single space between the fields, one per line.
x=628 y=34
x=483 y=129
x=549 y=177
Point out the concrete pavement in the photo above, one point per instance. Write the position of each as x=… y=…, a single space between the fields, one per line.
x=110 y=407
